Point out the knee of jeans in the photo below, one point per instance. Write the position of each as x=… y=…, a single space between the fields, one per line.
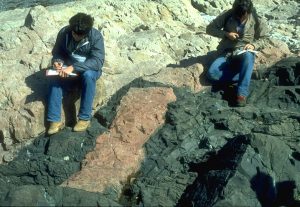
x=212 y=76
x=89 y=75
x=249 y=56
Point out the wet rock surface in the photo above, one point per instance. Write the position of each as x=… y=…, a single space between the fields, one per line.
x=207 y=153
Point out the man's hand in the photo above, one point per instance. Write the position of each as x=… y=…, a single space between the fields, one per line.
x=57 y=65
x=249 y=47
x=232 y=35
x=64 y=72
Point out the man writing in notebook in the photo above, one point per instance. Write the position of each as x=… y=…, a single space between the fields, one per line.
x=241 y=31
x=79 y=49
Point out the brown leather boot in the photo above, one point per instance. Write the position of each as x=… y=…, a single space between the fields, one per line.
x=241 y=101
x=81 y=126
x=54 y=127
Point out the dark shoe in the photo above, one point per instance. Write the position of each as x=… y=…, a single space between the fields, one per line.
x=54 y=127
x=81 y=126
x=241 y=101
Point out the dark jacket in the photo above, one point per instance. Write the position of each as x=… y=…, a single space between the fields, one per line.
x=255 y=29
x=91 y=49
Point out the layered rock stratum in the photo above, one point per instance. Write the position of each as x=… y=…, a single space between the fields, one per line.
x=197 y=150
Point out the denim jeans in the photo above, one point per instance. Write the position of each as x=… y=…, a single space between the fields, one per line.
x=237 y=69
x=58 y=86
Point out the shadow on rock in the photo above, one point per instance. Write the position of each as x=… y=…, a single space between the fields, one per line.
x=272 y=194
x=227 y=92
x=106 y=114
x=205 y=60
x=214 y=174
x=38 y=83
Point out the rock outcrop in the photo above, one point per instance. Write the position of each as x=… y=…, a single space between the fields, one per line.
x=149 y=39
x=207 y=153
x=201 y=152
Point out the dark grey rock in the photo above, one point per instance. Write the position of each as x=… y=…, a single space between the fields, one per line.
x=29 y=195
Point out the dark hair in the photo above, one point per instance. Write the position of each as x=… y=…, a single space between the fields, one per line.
x=241 y=7
x=81 y=23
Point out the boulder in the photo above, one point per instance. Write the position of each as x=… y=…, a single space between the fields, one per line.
x=42 y=22
x=179 y=77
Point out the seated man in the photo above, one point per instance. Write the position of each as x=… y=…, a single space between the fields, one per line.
x=79 y=49
x=240 y=28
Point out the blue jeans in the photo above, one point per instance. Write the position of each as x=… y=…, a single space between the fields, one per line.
x=60 y=85
x=237 y=69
